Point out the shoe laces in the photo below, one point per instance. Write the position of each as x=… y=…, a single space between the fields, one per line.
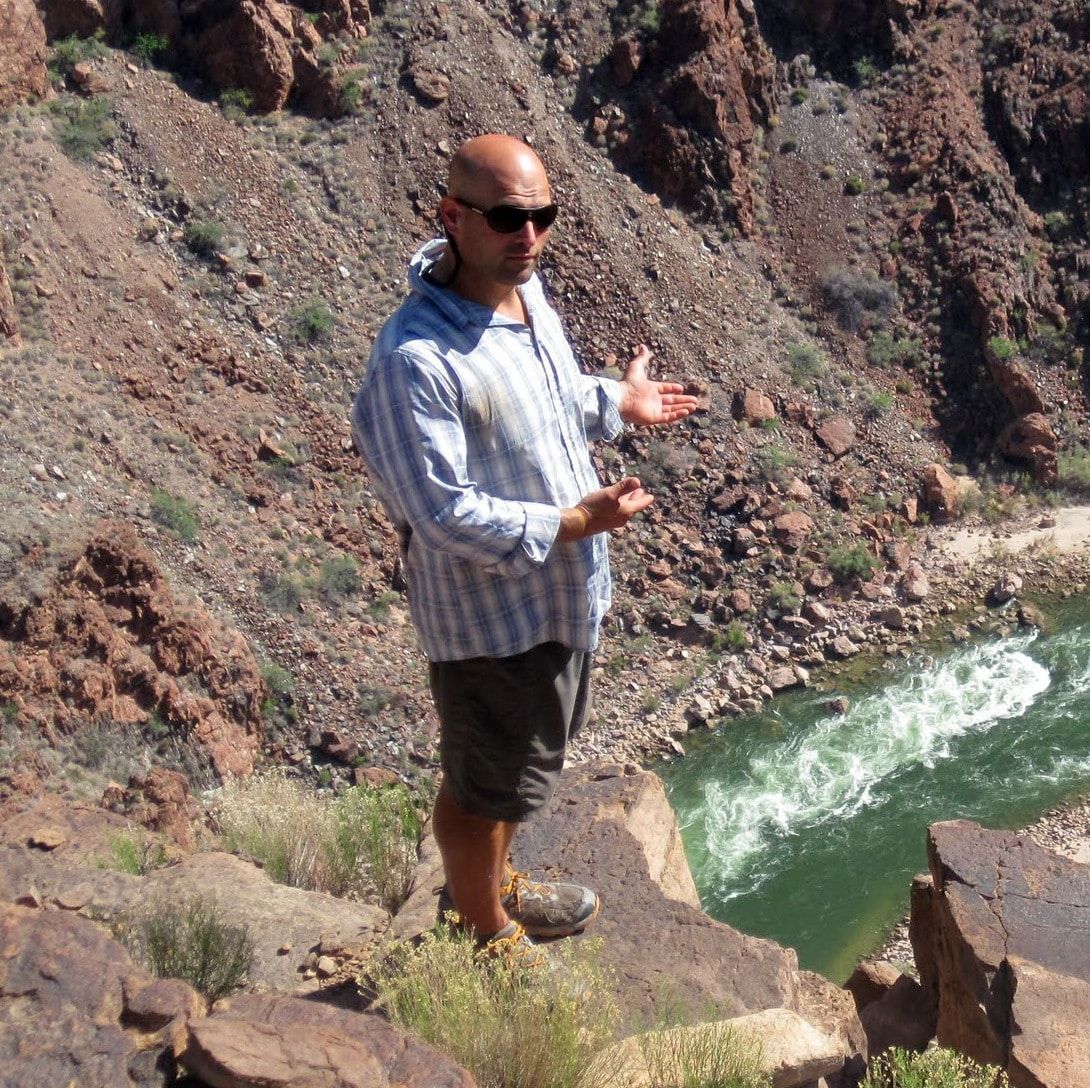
x=516 y=949
x=517 y=883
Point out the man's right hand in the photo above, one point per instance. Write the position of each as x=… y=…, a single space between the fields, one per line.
x=603 y=510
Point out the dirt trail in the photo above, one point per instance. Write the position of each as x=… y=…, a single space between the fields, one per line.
x=1064 y=531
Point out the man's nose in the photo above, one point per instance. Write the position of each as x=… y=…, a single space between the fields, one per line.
x=527 y=232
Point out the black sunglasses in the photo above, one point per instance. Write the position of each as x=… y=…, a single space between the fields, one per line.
x=507 y=218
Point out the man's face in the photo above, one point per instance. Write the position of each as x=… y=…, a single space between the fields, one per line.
x=490 y=258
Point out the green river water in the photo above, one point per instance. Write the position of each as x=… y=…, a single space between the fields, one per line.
x=807 y=827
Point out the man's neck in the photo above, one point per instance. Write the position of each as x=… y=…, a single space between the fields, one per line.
x=502 y=298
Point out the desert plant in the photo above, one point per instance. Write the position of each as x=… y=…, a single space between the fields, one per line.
x=236 y=102
x=732 y=637
x=529 y=1028
x=149 y=47
x=190 y=940
x=176 y=515
x=784 y=596
x=338 y=577
x=82 y=127
x=937 y=1068
x=703 y=1056
x=313 y=322
x=129 y=854
x=1073 y=470
x=375 y=839
x=851 y=562
x=877 y=403
x=285 y=592
x=806 y=361
x=73 y=50
x=865 y=71
x=854 y=185
x=884 y=349
x=773 y=461
x=203 y=237
x=1002 y=348
x=858 y=301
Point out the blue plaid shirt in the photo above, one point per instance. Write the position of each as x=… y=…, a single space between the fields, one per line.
x=475 y=430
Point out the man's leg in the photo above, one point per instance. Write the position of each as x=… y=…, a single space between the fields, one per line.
x=474 y=850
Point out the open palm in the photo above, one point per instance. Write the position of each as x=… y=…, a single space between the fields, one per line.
x=650 y=403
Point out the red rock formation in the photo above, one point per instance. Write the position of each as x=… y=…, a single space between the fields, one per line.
x=1031 y=438
x=940 y=491
x=110 y=642
x=22 y=61
x=9 y=317
x=704 y=87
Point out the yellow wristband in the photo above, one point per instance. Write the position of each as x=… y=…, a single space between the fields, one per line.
x=586 y=515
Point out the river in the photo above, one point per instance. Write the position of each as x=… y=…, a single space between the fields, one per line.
x=806 y=826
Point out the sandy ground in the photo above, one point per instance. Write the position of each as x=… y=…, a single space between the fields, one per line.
x=1064 y=531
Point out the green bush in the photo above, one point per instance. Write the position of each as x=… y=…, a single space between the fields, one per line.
x=176 y=515
x=800 y=95
x=509 y=1028
x=703 y=1056
x=851 y=562
x=1002 y=348
x=236 y=102
x=73 y=50
x=1057 y=224
x=884 y=349
x=338 y=577
x=938 y=1068
x=149 y=47
x=806 y=362
x=129 y=854
x=858 y=301
x=732 y=637
x=784 y=596
x=854 y=185
x=865 y=71
x=191 y=941
x=83 y=127
x=285 y=592
x=773 y=461
x=375 y=839
x=203 y=237
x=351 y=92
x=1073 y=470
x=313 y=322
x=877 y=404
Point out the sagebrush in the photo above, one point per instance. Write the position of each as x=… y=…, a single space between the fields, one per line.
x=937 y=1068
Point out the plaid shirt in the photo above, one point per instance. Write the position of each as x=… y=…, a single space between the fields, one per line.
x=475 y=430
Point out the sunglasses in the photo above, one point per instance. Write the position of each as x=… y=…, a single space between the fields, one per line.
x=506 y=218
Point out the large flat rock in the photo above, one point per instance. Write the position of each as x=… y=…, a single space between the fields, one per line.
x=598 y=831
x=289 y=926
x=272 y=1041
x=1002 y=939
x=74 y=1009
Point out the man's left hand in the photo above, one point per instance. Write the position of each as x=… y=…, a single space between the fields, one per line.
x=648 y=402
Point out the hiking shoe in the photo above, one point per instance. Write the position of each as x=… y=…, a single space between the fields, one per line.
x=541 y=909
x=513 y=946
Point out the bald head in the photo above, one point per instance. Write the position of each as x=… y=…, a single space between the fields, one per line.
x=491 y=163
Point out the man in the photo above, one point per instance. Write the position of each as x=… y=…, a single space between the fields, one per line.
x=474 y=421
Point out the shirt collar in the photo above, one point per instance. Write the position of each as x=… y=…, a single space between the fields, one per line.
x=457 y=309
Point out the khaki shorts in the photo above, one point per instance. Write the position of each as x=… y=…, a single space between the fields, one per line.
x=505 y=723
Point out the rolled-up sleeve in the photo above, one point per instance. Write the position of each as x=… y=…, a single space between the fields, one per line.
x=601 y=407
x=408 y=425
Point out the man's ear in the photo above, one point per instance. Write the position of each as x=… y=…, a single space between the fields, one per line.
x=450 y=213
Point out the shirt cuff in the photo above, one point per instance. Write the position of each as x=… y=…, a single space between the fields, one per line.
x=612 y=393
x=538 y=537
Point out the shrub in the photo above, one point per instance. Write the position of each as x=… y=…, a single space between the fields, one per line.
x=773 y=461
x=203 y=237
x=1002 y=348
x=285 y=592
x=73 y=50
x=137 y=858
x=236 y=102
x=703 y=1056
x=851 y=562
x=83 y=127
x=149 y=47
x=351 y=93
x=338 y=577
x=938 y=1068
x=176 y=515
x=1057 y=224
x=858 y=300
x=732 y=637
x=877 y=404
x=530 y=1029
x=865 y=71
x=363 y=843
x=800 y=95
x=313 y=322
x=784 y=596
x=789 y=144
x=883 y=349
x=1073 y=470
x=806 y=362
x=375 y=839
x=854 y=185
x=191 y=941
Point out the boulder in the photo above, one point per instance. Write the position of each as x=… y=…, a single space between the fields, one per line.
x=914 y=584
x=1001 y=936
x=612 y=829
x=75 y=1009
x=1031 y=438
x=1005 y=588
x=893 y=1008
x=290 y=927
x=940 y=491
x=836 y=434
x=753 y=407
x=23 y=73
x=793 y=1053
x=275 y=1041
x=792 y=528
